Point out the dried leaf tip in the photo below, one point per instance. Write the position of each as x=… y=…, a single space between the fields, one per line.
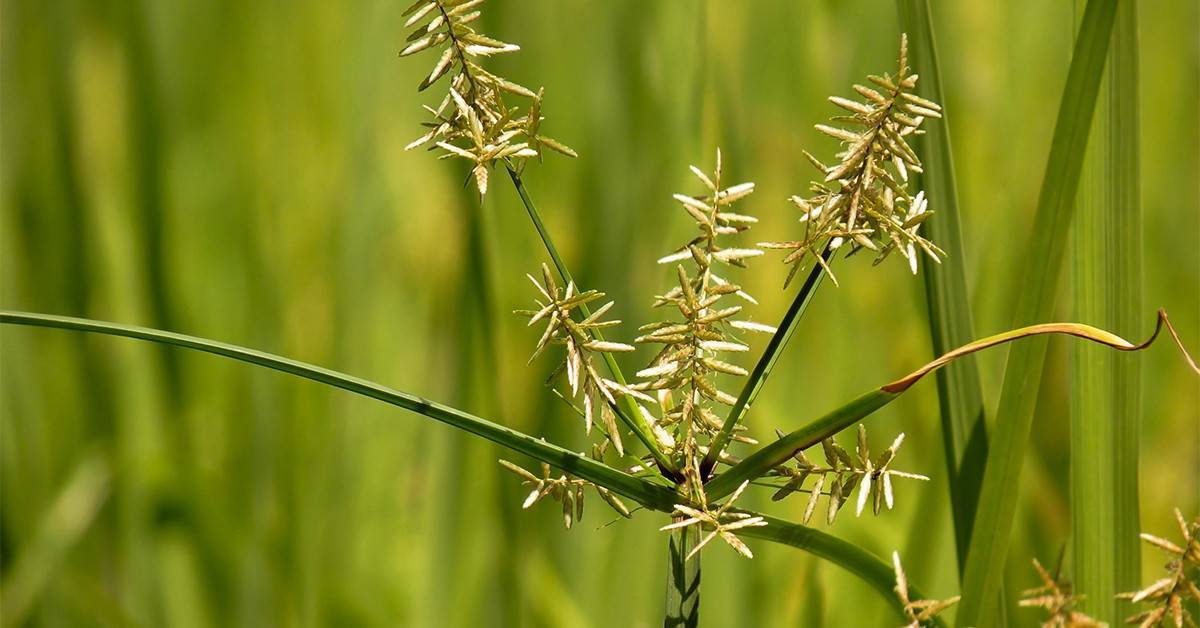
x=863 y=201
x=473 y=121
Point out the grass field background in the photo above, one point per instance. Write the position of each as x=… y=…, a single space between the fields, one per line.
x=236 y=170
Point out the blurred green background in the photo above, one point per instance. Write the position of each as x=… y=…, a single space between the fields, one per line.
x=236 y=170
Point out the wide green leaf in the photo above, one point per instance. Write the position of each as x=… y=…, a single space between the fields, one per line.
x=1043 y=264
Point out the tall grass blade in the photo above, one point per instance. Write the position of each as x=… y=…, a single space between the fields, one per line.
x=960 y=399
x=1043 y=263
x=1106 y=391
x=683 y=579
x=650 y=495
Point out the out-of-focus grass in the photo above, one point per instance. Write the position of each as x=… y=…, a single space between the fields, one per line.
x=266 y=141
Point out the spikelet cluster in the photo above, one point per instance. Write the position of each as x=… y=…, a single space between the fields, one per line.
x=682 y=375
x=473 y=121
x=1182 y=582
x=720 y=521
x=918 y=612
x=557 y=308
x=565 y=489
x=1058 y=600
x=863 y=201
x=872 y=476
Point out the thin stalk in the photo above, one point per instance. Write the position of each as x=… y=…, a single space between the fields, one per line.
x=1105 y=393
x=642 y=491
x=960 y=398
x=683 y=579
x=765 y=364
x=631 y=415
x=1043 y=264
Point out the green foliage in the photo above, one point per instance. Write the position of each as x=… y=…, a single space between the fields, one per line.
x=1043 y=263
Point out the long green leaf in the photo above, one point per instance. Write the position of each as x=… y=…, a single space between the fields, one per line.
x=631 y=415
x=960 y=399
x=1105 y=392
x=653 y=496
x=850 y=557
x=646 y=493
x=770 y=356
x=770 y=456
x=1043 y=263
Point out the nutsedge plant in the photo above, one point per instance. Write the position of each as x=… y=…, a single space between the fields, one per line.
x=687 y=405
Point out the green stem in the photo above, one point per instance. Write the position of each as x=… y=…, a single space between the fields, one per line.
x=648 y=494
x=683 y=579
x=761 y=370
x=631 y=415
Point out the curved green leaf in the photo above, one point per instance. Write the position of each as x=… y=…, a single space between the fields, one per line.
x=767 y=458
x=651 y=495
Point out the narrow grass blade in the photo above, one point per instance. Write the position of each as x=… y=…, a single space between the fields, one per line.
x=650 y=495
x=1043 y=262
x=960 y=399
x=630 y=415
x=70 y=515
x=683 y=579
x=1107 y=291
x=848 y=556
x=763 y=460
x=762 y=369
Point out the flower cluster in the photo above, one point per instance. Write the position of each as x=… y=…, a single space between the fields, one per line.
x=844 y=473
x=863 y=200
x=557 y=310
x=473 y=121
